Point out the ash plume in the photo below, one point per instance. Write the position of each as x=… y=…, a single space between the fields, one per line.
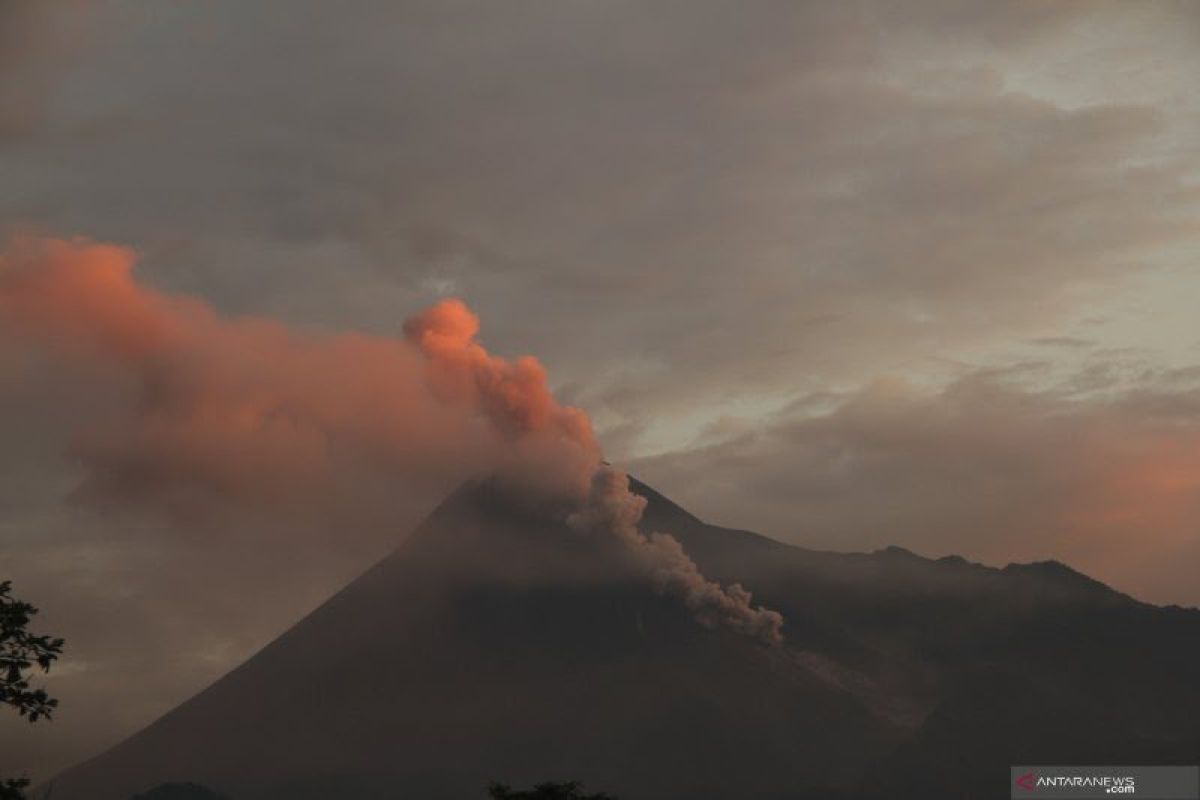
x=197 y=405
x=612 y=508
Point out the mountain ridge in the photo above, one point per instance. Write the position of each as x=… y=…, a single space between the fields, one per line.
x=495 y=644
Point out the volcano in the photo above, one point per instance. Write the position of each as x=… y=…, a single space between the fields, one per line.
x=497 y=644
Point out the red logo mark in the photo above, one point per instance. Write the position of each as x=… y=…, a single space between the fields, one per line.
x=1026 y=781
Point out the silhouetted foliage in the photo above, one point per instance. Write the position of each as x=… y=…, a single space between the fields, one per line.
x=13 y=788
x=20 y=653
x=571 y=790
x=179 y=791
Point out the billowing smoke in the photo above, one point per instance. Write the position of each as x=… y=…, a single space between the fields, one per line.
x=195 y=404
x=515 y=398
x=188 y=407
x=612 y=508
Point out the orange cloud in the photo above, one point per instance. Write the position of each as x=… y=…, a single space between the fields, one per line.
x=246 y=408
x=1145 y=485
x=513 y=394
x=250 y=410
x=81 y=295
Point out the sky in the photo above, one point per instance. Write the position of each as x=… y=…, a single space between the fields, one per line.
x=850 y=274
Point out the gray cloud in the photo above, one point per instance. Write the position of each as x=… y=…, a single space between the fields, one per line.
x=989 y=467
x=21 y=26
x=38 y=40
x=702 y=180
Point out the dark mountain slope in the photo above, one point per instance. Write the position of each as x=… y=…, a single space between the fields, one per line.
x=1032 y=663
x=494 y=644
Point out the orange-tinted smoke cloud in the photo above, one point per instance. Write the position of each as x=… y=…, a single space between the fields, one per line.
x=514 y=397
x=82 y=296
x=244 y=408
x=556 y=448
x=512 y=394
x=250 y=409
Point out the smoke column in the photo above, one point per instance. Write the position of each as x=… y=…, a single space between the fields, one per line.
x=613 y=509
x=515 y=397
x=260 y=413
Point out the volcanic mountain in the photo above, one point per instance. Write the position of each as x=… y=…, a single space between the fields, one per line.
x=497 y=644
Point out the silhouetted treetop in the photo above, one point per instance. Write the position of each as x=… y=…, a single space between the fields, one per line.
x=13 y=788
x=571 y=790
x=179 y=791
x=20 y=652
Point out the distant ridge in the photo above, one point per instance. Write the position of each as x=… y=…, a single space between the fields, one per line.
x=496 y=645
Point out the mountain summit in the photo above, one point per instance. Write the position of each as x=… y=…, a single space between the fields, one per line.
x=497 y=644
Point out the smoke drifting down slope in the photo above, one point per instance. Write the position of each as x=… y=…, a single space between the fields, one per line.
x=248 y=410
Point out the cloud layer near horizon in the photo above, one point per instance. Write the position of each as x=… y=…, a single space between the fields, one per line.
x=995 y=467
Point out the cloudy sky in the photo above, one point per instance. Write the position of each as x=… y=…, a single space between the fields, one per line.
x=847 y=273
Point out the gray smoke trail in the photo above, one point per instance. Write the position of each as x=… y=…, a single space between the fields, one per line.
x=612 y=508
